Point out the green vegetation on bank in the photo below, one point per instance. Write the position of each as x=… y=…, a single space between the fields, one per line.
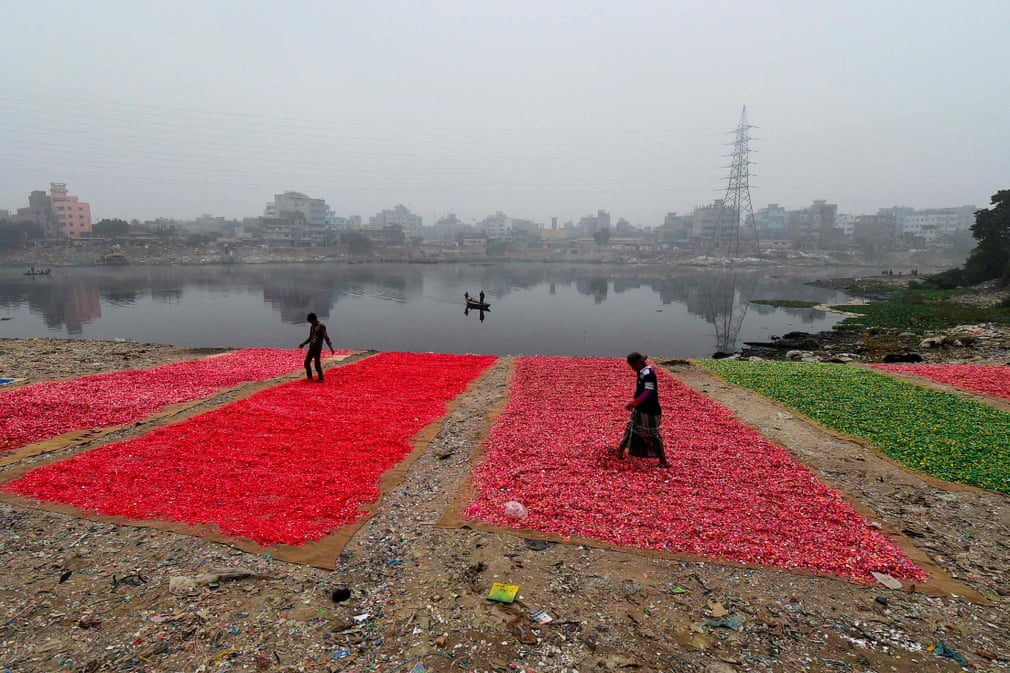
x=785 y=303
x=919 y=311
x=940 y=434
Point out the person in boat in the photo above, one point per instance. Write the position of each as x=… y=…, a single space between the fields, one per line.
x=482 y=296
x=317 y=335
x=641 y=435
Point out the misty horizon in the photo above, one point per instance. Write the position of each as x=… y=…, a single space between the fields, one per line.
x=177 y=110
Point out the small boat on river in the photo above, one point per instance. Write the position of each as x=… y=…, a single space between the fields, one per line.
x=477 y=305
x=38 y=272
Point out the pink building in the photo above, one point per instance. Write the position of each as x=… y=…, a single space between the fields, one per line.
x=73 y=217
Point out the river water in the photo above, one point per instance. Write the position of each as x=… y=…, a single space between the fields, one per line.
x=546 y=309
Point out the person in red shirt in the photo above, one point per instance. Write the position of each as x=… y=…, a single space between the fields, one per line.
x=641 y=435
x=317 y=335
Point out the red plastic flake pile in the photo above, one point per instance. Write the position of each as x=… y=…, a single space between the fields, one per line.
x=52 y=408
x=284 y=466
x=993 y=381
x=730 y=494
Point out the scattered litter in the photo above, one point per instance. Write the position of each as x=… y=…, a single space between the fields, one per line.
x=522 y=634
x=942 y=650
x=537 y=545
x=224 y=574
x=734 y=623
x=340 y=654
x=88 y=620
x=886 y=580
x=132 y=580
x=515 y=511
x=180 y=584
x=541 y=617
x=503 y=593
x=718 y=611
x=361 y=619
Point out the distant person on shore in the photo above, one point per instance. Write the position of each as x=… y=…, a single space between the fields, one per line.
x=317 y=335
x=641 y=435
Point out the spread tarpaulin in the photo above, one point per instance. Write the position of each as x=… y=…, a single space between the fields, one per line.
x=286 y=466
x=730 y=495
x=48 y=409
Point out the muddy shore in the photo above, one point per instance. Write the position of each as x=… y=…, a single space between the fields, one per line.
x=84 y=595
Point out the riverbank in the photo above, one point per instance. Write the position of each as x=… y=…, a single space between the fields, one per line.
x=84 y=253
x=85 y=595
x=979 y=339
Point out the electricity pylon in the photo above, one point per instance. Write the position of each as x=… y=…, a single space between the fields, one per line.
x=737 y=212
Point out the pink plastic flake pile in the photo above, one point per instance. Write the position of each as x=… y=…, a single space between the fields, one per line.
x=52 y=408
x=730 y=494
x=287 y=465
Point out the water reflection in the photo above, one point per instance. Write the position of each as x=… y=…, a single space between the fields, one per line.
x=547 y=308
x=480 y=312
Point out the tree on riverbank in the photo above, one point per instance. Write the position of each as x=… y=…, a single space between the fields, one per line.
x=990 y=258
x=19 y=234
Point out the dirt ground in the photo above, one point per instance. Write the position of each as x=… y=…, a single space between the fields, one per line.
x=84 y=595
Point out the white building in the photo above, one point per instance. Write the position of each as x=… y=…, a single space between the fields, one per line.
x=399 y=216
x=498 y=227
x=936 y=223
x=847 y=223
x=315 y=211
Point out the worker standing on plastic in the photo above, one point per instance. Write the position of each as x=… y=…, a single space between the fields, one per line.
x=317 y=335
x=641 y=435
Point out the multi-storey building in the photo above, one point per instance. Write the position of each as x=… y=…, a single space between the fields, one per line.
x=590 y=224
x=875 y=232
x=935 y=224
x=399 y=216
x=59 y=213
x=498 y=227
x=39 y=211
x=73 y=216
x=291 y=230
x=315 y=211
x=771 y=222
x=705 y=220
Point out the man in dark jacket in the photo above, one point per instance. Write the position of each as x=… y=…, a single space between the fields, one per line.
x=317 y=335
x=641 y=435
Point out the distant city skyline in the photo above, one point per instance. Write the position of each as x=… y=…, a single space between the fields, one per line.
x=433 y=218
x=174 y=110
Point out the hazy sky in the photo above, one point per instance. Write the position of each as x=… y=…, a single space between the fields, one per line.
x=172 y=109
